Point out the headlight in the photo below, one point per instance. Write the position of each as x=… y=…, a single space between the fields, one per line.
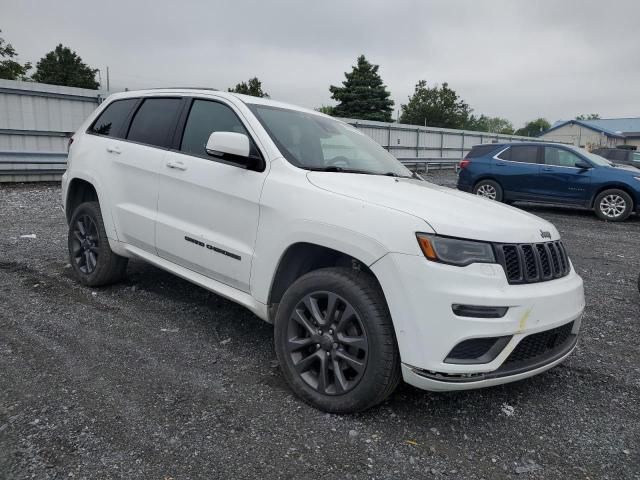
x=455 y=251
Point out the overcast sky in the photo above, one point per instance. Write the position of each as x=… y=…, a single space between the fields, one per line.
x=516 y=59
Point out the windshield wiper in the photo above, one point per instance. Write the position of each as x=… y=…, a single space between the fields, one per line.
x=335 y=168
x=397 y=175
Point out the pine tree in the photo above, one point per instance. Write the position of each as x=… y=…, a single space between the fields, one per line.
x=363 y=95
x=64 y=67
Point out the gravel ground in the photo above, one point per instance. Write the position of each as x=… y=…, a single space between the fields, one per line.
x=157 y=378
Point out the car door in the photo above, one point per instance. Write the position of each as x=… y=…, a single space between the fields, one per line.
x=208 y=208
x=517 y=169
x=134 y=165
x=562 y=181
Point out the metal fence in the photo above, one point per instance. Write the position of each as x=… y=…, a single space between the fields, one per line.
x=421 y=148
x=36 y=121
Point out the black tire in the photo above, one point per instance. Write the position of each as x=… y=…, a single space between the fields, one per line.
x=379 y=366
x=488 y=189
x=91 y=258
x=613 y=205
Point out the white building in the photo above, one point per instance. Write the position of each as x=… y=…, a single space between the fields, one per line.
x=605 y=132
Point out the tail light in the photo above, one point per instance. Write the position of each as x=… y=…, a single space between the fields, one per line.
x=465 y=163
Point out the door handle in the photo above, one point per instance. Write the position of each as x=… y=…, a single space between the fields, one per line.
x=500 y=164
x=114 y=150
x=547 y=169
x=176 y=165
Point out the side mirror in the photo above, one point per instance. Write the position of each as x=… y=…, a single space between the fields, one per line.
x=583 y=165
x=228 y=143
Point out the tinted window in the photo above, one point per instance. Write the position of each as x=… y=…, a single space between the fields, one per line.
x=205 y=118
x=111 y=120
x=480 y=150
x=524 y=154
x=560 y=157
x=153 y=121
x=620 y=155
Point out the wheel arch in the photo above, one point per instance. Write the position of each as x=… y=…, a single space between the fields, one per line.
x=614 y=186
x=487 y=176
x=303 y=257
x=82 y=187
x=79 y=191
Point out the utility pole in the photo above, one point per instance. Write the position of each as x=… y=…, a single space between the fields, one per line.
x=107 y=78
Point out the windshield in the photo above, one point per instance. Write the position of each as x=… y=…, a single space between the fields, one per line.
x=314 y=142
x=593 y=158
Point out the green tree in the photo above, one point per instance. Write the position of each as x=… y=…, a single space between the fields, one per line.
x=11 y=69
x=64 y=67
x=534 y=127
x=489 y=124
x=437 y=106
x=589 y=116
x=362 y=95
x=252 y=87
x=326 y=109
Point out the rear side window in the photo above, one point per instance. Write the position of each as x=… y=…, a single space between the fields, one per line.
x=153 y=122
x=480 y=150
x=112 y=119
x=521 y=154
x=205 y=118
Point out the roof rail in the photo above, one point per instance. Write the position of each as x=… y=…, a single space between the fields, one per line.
x=178 y=88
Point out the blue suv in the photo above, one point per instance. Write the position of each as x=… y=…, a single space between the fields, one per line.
x=551 y=173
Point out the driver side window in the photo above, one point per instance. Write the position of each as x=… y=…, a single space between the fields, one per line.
x=206 y=117
x=559 y=157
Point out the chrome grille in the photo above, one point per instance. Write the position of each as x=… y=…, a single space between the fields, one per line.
x=533 y=262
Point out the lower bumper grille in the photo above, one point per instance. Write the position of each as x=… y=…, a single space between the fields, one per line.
x=539 y=345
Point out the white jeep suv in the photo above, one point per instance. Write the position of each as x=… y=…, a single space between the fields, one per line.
x=368 y=273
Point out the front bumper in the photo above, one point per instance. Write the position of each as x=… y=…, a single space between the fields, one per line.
x=420 y=295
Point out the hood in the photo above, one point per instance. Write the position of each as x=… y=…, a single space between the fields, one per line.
x=449 y=212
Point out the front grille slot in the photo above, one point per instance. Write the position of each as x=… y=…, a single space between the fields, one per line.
x=533 y=262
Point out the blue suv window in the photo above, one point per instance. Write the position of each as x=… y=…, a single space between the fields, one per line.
x=521 y=153
x=559 y=157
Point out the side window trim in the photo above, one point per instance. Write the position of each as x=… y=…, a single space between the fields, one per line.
x=182 y=123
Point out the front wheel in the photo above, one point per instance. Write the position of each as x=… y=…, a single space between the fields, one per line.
x=488 y=189
x=613 y=205
x=335 y=341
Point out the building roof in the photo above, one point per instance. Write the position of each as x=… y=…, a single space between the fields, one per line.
x=612 y=127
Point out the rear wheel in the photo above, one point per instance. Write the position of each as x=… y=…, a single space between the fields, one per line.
x=613 y=205
x=488 y=189
x=93 y=262
x=335 y=341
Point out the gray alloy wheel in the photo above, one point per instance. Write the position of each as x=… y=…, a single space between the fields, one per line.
x=487 y=190
x=335 y=341
x=613 y=205
x=327 y=343
x=90 y=255
x=84 y=244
